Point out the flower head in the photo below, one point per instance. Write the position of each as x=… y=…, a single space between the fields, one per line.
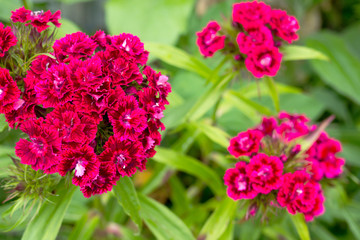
x=251 y=14
x=7 y=39
x=245 y=143
x=208 y=42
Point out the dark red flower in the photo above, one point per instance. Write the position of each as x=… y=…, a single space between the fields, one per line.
x=74 y=46
x=158 y=82
x=43 y=149
x=20 y=15
x=100 y=38
x=251 y=14
x=40 y=19
x=208 y=42
x=56 y=87
x=292 y=126
x=318 y=208
x=86 y=74
x=239 y=185
x=130 y=45
x=125 y=155
x=263 y=60
x=260 y=36
x=9 y=92
x=265 y=173
x=128 y=119
x=267 y=126
x=7 y=39
x=102 y=183
x=298 y=192
x=285 y=26
x=83 y=161
x=245 y=143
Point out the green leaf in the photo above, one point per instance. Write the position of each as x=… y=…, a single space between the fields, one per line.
x=46 y=224
x=300 y=225
x=273 y=92
x=179 y=198
x=208 y=99
x=190 y=165
x=228 y=233
x=125 y=192
x=178 y=58
x=216 y=134
x=85 y=227
x=162 y=222
x=342 y=72
x=353 y=225
x=254 y=105
x=168 y=18
x=293 y=52
x=3 y=123
x=67 y=27
x=223 y=215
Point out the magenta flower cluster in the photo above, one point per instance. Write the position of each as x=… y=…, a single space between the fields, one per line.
x=260 y=31
x=92 y=106
x=278 y=168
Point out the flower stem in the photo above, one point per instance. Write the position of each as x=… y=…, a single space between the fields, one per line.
x=25 y=3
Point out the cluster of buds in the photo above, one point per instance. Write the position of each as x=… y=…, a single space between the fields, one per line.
x=275 y=171
x=90 y=105
x=253 y=38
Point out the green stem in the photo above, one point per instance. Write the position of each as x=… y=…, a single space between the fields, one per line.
x=25 y=3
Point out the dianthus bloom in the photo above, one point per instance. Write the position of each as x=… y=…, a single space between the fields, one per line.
x=279 y=169
x=7 y=39
x=245 y=143
x=91 y=108
x=208 y=41
x=260 y=32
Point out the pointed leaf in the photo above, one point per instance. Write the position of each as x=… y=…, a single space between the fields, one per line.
x=85 y=227
x=273 y=92
x=223 y=215
x=162 y=222
x=192 y=166
x=125 y=193
x=46 y=224
x=216 y=134
x=300 y=225
x=293 y=52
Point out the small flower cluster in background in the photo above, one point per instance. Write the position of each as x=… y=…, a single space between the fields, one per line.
x=253 y=39
x=275 y=171
x=88 y=104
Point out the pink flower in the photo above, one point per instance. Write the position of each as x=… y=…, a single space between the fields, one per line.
x=7 y=39
x=251 y=14
x=56 y=87
x=260 y=36
x=318 y=208
x=158 y=82
x=124 y=155
x=239 y=186
x=245 y=143
x=292 y=126
x=40 y=19
x=285 y=26
x=42 y=151
x=75 y=129
x=74 y=46
x=263 y=60
x=9 y=92
x=20 y=15
x=128 y=119
x=267 y=126
x=100 y=38
x=83 y=161
x=265 y=173
x=129 y=45
x=208 y=42
x=102 y=183
x=298 y=192
x=86 y=74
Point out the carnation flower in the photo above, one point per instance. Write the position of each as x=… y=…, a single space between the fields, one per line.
x=263 y=60
x=239 y=185
x=256 y=37
x=265 y=173
x=20 y=15
x=9 y=92
x=40 y=19
x=245 y=143
x=285 y=26
x=42 y=151
x=7 y=39
x=267 y=126
x=208 y=42
x=292 y=126
x=251 y=14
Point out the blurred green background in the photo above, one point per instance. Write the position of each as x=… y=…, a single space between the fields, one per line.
x=316 y=88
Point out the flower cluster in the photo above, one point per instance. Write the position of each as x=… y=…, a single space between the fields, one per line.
x=92 y=106
x=259 y=32
x=274 y=164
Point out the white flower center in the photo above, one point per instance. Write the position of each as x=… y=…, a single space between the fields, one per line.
x=79 y=169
